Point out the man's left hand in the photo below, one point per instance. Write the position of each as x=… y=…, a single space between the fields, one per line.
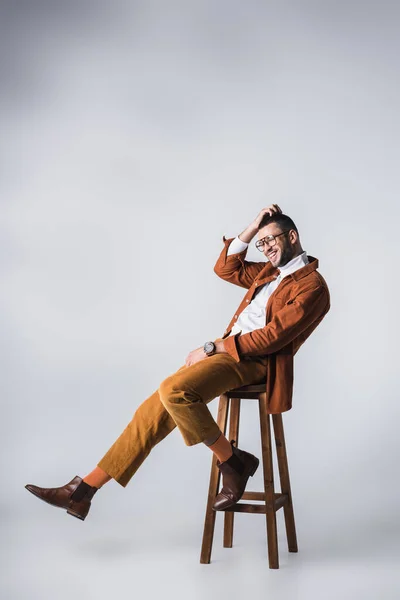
x=195 y=355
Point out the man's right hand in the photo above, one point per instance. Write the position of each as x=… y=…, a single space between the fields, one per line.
x=248 y=234
x=273 y=208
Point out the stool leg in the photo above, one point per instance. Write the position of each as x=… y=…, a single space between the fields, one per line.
x=233 y=435
x=209 y=522
x=272 y=534
x=285 y=482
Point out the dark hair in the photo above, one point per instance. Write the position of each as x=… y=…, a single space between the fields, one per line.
x=284 y=222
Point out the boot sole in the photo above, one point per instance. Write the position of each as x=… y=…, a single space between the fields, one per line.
x=78 y=516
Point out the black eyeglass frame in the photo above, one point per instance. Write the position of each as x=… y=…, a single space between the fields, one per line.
x=271 y=238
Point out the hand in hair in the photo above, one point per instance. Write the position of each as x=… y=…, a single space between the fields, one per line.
x=250 y=231
x=270 y=210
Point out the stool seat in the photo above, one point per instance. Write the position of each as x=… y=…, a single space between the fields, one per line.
x=248 y=391
x=272 y=501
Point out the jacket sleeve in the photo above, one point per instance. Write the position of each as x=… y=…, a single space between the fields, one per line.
x=234 y=268
x=287 y=323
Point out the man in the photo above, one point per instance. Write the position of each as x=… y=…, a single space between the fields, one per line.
x=286 y=299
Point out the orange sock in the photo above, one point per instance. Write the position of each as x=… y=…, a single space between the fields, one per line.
x=222 y=448
x=97 y=478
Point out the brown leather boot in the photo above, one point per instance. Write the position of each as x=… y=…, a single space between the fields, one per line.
x=74 y=496
x=235 y=473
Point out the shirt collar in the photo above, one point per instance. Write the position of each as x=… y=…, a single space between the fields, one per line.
x=296 y=263
x=270 y=272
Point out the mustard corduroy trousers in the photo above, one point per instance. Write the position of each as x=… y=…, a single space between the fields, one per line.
x=180 y=401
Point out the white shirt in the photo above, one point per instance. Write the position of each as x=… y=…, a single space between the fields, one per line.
x=254 y=315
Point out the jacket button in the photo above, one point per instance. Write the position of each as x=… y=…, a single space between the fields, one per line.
x=236 y=316
x=247 y=300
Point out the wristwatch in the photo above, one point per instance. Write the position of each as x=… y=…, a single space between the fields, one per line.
x=209 y=348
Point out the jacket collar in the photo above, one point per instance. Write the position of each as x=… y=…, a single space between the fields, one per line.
x=303 y=271
x=270 y=272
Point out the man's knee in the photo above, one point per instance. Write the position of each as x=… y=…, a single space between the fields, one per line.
x=165 y=388
x=175 y=390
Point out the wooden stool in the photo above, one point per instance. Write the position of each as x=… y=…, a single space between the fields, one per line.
x=272 y=501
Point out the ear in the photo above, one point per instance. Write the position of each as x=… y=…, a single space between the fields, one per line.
x=293 y=237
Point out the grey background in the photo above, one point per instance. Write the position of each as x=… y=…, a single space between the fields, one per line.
x=134 y=136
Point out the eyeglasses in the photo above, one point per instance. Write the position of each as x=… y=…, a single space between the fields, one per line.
x=269 y=240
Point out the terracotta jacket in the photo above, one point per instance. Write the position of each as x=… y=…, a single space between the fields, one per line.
x=293 y=311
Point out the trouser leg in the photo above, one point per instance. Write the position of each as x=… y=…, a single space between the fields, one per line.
x=181 y=402
x=186 y=393
x=150 y=424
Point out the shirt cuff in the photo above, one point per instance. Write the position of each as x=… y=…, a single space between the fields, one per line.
x=237 y=246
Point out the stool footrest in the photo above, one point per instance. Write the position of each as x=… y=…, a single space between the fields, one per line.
x=279 y=498
x=279 y=501
x=246 y=508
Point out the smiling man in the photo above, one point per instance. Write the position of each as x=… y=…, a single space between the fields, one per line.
x=286 y=298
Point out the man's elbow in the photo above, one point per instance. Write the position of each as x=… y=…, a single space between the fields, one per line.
x=218 y=270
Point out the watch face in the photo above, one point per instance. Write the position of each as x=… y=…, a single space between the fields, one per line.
x=208 y=347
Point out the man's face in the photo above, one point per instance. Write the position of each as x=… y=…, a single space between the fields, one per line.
x=284 y=249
